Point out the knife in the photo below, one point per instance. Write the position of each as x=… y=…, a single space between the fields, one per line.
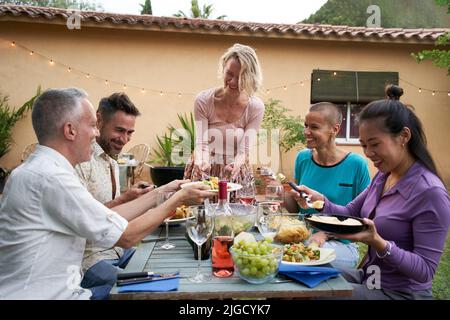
x=130 y=275
x=143 y=280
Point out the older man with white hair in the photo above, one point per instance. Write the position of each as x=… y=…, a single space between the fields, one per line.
x=46 y=214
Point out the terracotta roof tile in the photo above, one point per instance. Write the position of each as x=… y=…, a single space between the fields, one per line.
x=313 y=30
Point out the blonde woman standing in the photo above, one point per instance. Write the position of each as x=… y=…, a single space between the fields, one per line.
x=227 y=118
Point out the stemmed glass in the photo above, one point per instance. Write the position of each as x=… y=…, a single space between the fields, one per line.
x=265 y=218
x=199 y=230
x=247 y=194
x=275 y=193
x=161 y=197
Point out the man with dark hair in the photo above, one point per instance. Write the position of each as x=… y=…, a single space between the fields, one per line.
x=46 y=214
x=116 y=117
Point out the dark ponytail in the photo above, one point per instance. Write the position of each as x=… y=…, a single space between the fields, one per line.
x=395 y=116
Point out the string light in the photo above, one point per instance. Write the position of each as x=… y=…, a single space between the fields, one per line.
x=179 y=94
x=448 y=94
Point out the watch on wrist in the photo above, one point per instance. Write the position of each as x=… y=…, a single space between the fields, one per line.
x=386 y=252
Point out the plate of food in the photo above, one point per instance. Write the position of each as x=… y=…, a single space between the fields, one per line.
x=335 y=223
x=182 y=213
x=302 y=255
x=213 y=184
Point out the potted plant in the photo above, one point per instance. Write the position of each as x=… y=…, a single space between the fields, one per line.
x=172 y=151
x=8 y=118
x=291 y=131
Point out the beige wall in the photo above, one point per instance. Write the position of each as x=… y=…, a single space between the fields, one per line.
x=187 y=63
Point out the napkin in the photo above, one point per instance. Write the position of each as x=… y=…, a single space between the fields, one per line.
x=152 y=286
x=309 y=276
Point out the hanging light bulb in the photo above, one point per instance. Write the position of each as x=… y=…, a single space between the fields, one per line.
x=434 y=93
x=31 y=53
x=302 y=84
x=106 y=82
x=161 y=93
x=267 y=91
x=284 y=88
x=51 y=62
x=334 y=73
x=318 y=79
x=124 y=87
x=13 y=44
x=88 y=76
x=143 y=90
x=69 y=69
x=448 y=93
x=179 y=94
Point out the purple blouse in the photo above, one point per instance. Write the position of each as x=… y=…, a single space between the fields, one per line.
x=414 y=216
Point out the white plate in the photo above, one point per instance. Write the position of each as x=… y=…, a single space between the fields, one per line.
x=326 y=256
x=230 y=186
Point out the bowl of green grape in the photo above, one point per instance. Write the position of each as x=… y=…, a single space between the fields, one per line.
x=256 y=262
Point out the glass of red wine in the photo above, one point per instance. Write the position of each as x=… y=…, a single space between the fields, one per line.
x=247 y=194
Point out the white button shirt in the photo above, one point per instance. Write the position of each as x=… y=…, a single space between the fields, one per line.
x=46 y=215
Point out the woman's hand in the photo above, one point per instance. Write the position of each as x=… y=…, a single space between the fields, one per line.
x=369 y=236
x=312 y=194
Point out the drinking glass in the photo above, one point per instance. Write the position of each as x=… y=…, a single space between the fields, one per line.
x=247 y=194
x=275 y=193
x=199 y=229
x=266 y=218
x=161 y=197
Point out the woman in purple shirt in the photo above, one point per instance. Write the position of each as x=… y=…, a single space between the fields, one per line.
x=407 y=201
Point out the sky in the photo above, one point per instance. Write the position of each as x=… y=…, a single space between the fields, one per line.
x=265 y=11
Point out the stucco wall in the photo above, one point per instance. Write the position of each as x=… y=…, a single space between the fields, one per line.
x=187 y=63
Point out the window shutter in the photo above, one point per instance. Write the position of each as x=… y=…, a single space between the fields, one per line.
x=350 y=86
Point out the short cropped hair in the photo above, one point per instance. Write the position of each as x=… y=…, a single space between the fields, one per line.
x=250 y=78
x=118 y=101
x=334 y=115
x=53 y=108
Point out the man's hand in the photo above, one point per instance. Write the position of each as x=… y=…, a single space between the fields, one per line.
x=193 y=195
x=173 y=186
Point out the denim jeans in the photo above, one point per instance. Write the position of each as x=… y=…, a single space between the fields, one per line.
x=101 y=277
x=347 y=255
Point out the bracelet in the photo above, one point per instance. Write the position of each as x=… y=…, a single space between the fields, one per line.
x=387 y=251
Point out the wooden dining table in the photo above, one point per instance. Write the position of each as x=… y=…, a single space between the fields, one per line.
x=149 y=257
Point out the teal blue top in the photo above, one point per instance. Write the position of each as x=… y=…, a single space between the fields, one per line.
x=340 y=183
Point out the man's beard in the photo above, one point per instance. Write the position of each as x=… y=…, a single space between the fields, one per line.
x=106 y=146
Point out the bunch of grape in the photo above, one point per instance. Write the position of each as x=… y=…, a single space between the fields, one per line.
x=256 y=259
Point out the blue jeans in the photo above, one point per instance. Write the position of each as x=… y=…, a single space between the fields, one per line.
x=347 y=255
x=101 y=277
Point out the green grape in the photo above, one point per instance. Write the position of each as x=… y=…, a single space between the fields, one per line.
x=245 y=271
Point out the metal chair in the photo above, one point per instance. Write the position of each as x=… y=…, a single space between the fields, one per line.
x=140 y=153
x=29 y=149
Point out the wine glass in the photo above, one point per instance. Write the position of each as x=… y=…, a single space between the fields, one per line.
x=199 y=229
x=275 y=193
x=246 y=195
x=266 y=218
x=161 y=197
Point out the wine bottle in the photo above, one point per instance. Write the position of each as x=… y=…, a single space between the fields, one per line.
x=222 y=261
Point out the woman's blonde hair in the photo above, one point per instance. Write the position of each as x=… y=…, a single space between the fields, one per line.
x=250 y=77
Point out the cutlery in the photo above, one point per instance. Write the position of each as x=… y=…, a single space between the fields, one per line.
x=303 y=195
x=134 y=275
x=161 y=239
x=147 y=279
